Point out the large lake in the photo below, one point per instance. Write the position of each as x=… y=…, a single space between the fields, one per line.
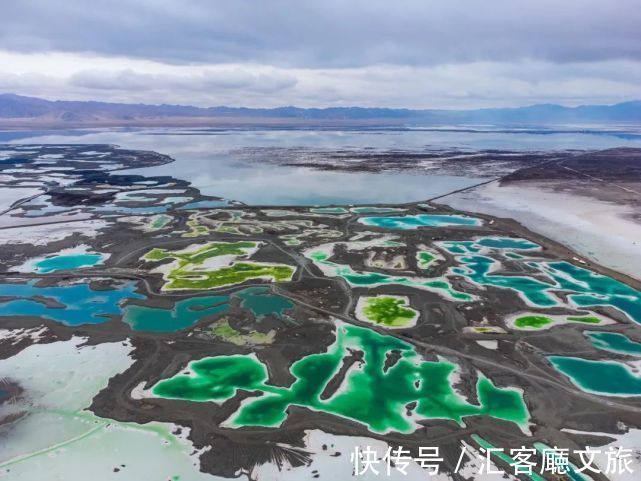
x=209 y=159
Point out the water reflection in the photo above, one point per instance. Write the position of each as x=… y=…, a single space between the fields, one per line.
x=206 y=158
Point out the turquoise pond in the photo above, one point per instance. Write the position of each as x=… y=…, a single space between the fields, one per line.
x=607 y=378
x=188 y=312
x=262 y=303
x=408 y=222
x=614 y=342
x=67 y=262
x=184 y=314
x=584 y=288
x=71 y=305
x=78 y=304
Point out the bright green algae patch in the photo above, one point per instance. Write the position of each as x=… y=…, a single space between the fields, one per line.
x=534 y=322
x=386 y=311
x=187 y=257
x=193 y=268
x=609 y=378
x=424 y=259
x=224 y=331
x=237 y=273
x=585 y=319
x=614 y=342
x=368 y=394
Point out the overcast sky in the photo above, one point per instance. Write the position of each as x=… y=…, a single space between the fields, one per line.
x=265 y=53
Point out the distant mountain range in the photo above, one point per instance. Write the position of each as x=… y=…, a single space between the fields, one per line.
x=20 y=111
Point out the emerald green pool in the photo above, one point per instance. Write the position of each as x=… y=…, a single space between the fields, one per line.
x=406 y=222
x=538 y=321
x=614 y=342
x=368 y=394
x=387 y=311
x=424 y=259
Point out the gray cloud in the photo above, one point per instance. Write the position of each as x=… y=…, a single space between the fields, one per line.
x=130 y=80
x=406 y=53
x=329 y=33
x=465 y=85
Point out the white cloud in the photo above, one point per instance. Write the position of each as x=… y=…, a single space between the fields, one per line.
x=454 y=85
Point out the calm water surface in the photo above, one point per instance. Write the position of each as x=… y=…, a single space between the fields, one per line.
x=210 y=160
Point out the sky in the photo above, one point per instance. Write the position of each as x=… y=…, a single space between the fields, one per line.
x=454 y=54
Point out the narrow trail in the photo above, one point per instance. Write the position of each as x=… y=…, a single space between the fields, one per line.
x=19 y=202
x=598 y=179
x=498 y=179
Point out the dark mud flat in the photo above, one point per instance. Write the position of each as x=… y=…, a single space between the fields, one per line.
x=612 y=175
x=475 y=163
x=280 y=323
